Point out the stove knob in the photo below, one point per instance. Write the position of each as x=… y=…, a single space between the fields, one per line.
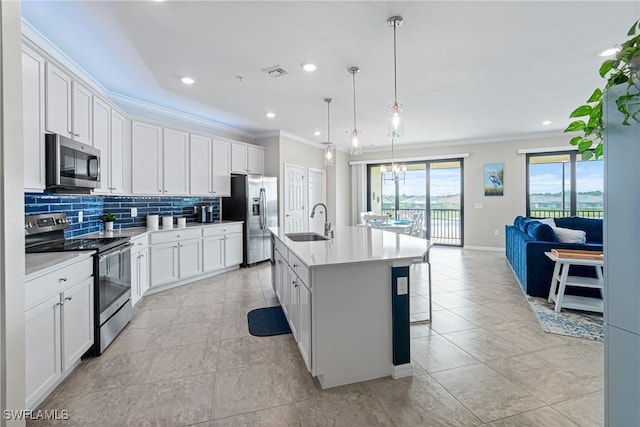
x=59 y=221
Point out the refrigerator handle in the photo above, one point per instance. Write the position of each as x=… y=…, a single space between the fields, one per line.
x=263 y=207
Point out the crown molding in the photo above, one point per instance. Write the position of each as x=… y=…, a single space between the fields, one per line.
x=37 y=41
x=143 y=109
x=483 y=140
x=293 y=137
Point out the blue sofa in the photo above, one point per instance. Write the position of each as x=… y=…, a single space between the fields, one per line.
x=527 y=241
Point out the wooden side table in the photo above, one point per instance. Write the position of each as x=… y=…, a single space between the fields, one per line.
x=561 y=279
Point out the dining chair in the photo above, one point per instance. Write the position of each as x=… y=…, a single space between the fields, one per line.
x=416 y=227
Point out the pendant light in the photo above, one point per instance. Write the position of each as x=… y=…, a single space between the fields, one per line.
x=396 y=126
x=355 y=142
x=328 y=149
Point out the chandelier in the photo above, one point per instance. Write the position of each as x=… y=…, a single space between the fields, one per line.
x=398 y=172
x=328 y=149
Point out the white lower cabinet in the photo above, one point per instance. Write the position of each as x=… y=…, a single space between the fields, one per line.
x=58 y=326
x=222 y=246
x=139 y=268
x=292 y=287
x=164 y=264
x=190 y=258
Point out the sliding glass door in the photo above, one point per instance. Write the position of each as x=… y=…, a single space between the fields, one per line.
x=432 y=188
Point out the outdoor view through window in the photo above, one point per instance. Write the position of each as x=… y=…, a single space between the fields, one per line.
x=431 y=188
x=562 y=185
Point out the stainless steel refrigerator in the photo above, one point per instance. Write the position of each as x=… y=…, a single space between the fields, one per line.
x=254 y=200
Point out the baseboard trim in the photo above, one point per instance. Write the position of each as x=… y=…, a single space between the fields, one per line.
x=485 y=248
x=402 y=371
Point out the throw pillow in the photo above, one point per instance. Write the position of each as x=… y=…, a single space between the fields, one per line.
x=549 y=221
x=518 y=221
x=524 y=224
x=541 y=232
x=567 y=235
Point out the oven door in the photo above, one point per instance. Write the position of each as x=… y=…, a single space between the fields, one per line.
x=114 y=280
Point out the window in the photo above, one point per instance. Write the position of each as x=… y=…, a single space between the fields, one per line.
x=562 y=184
x=433 y=188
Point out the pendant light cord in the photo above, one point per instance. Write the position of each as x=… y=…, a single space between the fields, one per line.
x=395 y=72
x=329 y=122
x=355 y=127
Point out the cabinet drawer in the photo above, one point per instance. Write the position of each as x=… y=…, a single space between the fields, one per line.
x=51 y=284
x=175 y=235
x=139 y=243
x=280 y=247
x=301 y=270
x=218 y=230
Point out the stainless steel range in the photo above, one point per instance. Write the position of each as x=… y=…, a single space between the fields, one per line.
x=111 y=271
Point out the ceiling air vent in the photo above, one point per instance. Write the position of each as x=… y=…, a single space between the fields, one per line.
x=275 y=71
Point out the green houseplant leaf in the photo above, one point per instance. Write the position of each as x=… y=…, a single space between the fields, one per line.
x=108 y=217
x=623 y=69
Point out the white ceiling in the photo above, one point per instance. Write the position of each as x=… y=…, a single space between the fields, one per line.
x=467 y=71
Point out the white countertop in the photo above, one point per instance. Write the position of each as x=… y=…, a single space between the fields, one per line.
x=356 y=245
x=137 y=231
x=43 y=263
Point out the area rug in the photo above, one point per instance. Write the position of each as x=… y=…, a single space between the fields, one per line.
x=574 y=323
x=268 y=321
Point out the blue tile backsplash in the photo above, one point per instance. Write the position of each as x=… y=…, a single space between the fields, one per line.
x=93 y=206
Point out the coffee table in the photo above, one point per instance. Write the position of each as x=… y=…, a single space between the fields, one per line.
x=561 y=279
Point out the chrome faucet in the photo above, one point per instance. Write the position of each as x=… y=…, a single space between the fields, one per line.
x=327 y=224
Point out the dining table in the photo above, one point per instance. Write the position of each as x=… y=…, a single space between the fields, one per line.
x=400 y=226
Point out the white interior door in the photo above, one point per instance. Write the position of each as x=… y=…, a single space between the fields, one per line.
x=294 y=220
x=317 y=194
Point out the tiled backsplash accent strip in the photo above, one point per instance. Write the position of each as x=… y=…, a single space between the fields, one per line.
x=93 y=206
x=175 y=206
x=71 y=204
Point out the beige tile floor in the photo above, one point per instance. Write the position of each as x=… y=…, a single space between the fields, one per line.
x=188 y=359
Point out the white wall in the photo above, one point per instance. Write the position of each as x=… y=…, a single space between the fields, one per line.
x=11 y=215
x=496 y=211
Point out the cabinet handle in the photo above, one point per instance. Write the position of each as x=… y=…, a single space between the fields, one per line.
x=63 y=279
x=226 y=238
x=295 y=265
x=68 y=298
x=160 y=191
x=70 y=133
x=59 y=303
x=112 y=188
x=76 y=134
x=279 y=262
x=140 y=244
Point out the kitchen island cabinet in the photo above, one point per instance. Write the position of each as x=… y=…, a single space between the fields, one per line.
x=347 y=301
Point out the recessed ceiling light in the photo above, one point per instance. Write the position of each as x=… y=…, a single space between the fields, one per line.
x=317 y=133
x=546 y=122
x=610 y=52
x=309 y=66
x=270 y=115
x=187 y=80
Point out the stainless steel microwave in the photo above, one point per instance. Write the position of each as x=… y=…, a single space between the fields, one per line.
x=71 y=164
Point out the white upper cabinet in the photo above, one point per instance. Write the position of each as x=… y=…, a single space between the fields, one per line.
x=246 y=159
x=68 y=106
x=58 y=102
x=146 y=158
x=116 y=184
x=239 y=158
x=176 y=162
x=101 y=141
x=81 y=118
x=255 y=160
x=200 y=166
x=210 y=174
x=221 y=169
x=33 y=72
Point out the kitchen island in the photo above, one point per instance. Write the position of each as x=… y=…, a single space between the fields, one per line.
x=347 y=301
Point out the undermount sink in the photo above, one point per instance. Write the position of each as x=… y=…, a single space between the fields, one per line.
x=306 y=237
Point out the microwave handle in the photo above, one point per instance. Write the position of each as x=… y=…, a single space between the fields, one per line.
x=97 y=159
